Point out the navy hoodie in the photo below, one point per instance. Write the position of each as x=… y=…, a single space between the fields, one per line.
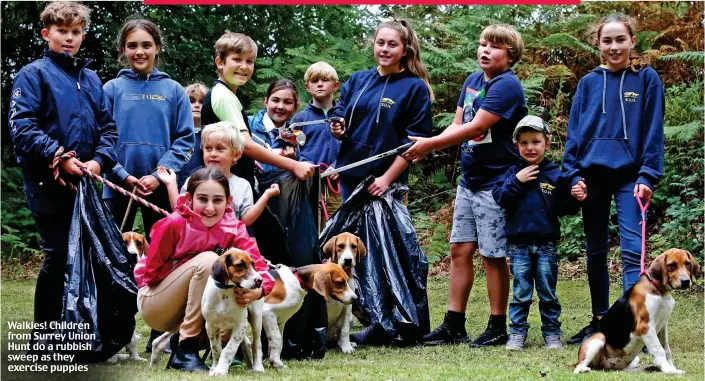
x=380 y=113
x=533 y=207
x=57 y=102
x=321 y=146
x=154 y=123
x=616 y=127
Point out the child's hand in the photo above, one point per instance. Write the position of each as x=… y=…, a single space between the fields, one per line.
x=132 y=182
x=642 y=191
x=290 y=152
x=337 y=128
x=167 y=176
x=529 y=173
x=334 y=176
x=243 y=297
x=149 y=183
x=93 y=166
x=579 y=190
x=72 y=166
x=303 y=170
x=420 y=149
x=379 y=186
x=273 y=191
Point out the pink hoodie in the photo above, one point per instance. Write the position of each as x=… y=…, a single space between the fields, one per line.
x=181 y=236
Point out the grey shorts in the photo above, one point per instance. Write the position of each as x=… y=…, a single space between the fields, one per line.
x=478 y=218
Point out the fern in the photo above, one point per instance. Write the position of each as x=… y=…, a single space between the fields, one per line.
x=683 y=133
x=568 y=41
x=689 y=57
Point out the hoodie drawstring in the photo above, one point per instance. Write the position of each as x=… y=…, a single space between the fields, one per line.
x=621 y=103
x=381 y=97
x=604 y=91
x=358 y=98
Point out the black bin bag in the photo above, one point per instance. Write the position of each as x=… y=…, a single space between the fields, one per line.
x=295 y=209
x=391 y=279
x=100 y=293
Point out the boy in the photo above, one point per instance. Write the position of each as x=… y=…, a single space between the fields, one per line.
x=222 y=146
x=490 y=105
x=235 y=55
x=196 y=94
x=321 y=81
x=534 y=195
x=42 y=119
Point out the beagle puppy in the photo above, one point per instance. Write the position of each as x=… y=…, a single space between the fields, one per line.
x=639 y=318
x=347 y=250
x=138 y=246
x=287 y=296
x=234 y=269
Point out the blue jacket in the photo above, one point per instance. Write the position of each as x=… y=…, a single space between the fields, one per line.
x=616 y=127
x=154 y=123
x=195 y=162
x=56 y=101
x=380 y=113
x=321 y=146
x=533 y=207
x=265 y=139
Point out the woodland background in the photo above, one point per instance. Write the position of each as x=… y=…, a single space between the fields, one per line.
x=559 y=51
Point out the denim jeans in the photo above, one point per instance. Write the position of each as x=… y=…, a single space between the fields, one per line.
x=596 y=219
x=534 y=264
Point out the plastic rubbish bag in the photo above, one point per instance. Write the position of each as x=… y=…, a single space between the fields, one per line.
x=391 y=279
x=100 y=294
x=295 y=208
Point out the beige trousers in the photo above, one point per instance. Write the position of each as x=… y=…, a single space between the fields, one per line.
x=174 y=304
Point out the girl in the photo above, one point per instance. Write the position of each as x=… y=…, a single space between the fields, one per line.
x=381 y=107
x=154 y=123
x=614 y=148
x=174 y=274
x=280 y=103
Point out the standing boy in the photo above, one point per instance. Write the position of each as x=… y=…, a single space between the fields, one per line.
x=491 y=104
x=534 y=196
x=56 y=103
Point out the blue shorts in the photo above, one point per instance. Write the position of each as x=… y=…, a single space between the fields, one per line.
x=478 y=218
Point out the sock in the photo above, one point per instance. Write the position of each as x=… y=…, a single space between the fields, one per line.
x=499 y=321
x=456 y=320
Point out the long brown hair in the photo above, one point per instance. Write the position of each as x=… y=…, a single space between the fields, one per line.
x=412 y=60
x=636 y=61
x=138 y=23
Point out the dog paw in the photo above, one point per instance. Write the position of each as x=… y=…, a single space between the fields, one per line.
x=217 y=372
x=347 y=348
x=279 y=365
x=581 y=369
x=257 y=369
x=113 y=359
x=673 y=371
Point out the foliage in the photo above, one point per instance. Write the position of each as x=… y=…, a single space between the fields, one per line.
x=18 y=235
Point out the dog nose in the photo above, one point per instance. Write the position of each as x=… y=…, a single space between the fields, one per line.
x=347 y=262
x=258 y=282
x=685 y=283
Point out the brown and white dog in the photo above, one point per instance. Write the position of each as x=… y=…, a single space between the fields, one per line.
x=347 y=250
x=287 y=296
x=138 y=246
x=640 y=317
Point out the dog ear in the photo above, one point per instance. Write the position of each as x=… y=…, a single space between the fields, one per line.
x=361 y=250
x=658 y=269
x=321 y=283
x=220 y=269
x=694 y=267
x=329 y=248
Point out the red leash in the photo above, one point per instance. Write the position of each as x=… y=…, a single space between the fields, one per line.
x=643 y=208
x=61 y=156
x=331 y=187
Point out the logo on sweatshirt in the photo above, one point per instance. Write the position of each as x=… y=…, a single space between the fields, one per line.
x=547 y=188
x=388 y=103
x=630 y=96
x=143 y=97
x=17 y=93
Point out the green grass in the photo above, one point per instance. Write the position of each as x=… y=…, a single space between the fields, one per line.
x=419 y=363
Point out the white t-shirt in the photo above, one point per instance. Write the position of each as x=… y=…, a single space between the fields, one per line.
x=242 y=195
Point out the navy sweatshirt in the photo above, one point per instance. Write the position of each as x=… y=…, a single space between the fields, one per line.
x=616 y=127
x=380 y=113
x=321 y=146
x=533 y=207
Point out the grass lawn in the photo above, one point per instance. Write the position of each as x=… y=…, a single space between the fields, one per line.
x=419 y=363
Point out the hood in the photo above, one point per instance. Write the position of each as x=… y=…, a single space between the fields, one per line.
x=155 y=75
x=602 y=69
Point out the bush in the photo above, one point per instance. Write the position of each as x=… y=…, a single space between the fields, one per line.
x=19 y=237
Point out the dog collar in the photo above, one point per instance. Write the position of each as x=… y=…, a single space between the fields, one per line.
x=652 y=281
x=296 y=274
x=223 y=286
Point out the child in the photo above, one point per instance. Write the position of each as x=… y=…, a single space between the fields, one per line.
x=321 y=147
x=154 y=123
x=280 y=102
x=222 y=147
x=381 y=106
x=196 y=93
x=42 y=119
x=235 y=55
x=174 y=274
x=490 y=105
x=614 y=148
x=534 y=196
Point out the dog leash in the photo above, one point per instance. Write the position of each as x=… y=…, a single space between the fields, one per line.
x=61 y=156
x=333 y=187
x=643 y=207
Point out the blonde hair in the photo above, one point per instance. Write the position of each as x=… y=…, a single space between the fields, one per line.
x=196 y=90
x=64 y=13
x=507 y=36
x=229 y=131
x=237 y=43
x=412 y=60
x=320 y=70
